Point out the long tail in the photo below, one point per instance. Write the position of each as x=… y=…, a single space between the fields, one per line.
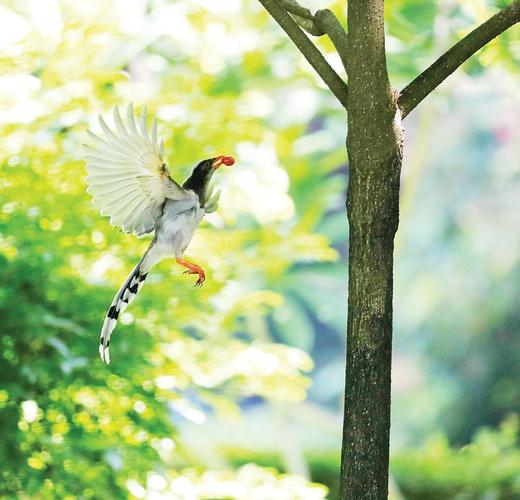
x=123 y=297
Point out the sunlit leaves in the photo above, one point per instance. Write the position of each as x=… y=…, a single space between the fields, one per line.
x=179 y=353
x=419 y=33
x=250 y=481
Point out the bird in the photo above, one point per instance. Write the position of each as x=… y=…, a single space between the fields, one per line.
x=131 y=183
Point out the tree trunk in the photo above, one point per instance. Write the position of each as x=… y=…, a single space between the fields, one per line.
x=374 y=150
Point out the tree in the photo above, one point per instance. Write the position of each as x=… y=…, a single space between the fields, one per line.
x=374 y=147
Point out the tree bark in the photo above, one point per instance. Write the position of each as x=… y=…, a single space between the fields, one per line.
x=375 y=155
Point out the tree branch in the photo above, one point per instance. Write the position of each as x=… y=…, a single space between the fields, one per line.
x=308 y=25
x=302 y=16
x=321 y=23
x=328 y=22
x=295 y=8
x=443 y=67
x=308 y=49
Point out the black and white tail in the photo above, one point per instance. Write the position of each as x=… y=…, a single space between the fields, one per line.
x=123 y=297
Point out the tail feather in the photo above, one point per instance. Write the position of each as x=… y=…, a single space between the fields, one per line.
x=123 y=297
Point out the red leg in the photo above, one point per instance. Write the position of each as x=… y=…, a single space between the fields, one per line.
x=193 y=269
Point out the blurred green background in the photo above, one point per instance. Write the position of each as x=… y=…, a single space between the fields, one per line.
x=234 y=391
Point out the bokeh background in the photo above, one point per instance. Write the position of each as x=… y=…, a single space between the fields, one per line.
x=235 y=390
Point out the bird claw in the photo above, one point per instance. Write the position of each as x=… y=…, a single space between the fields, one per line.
x=201 y=278
x=200 y=281
x=194 y=269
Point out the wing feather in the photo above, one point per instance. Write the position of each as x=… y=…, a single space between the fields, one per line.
x=131 y=122
x=115 y=207
x=113 y=140
x=142 y=123
x=126 y=174
x=111 y=188
x=122 y=209
x=120 y=126
x=154 y=134
x=109 y=161
x=139 y=217
x=105 y=199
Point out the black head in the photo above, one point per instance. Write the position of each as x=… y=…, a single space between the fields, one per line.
x=199 y=179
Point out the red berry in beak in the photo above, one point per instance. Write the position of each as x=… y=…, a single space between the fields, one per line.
x=223 y=160
x=228 y=160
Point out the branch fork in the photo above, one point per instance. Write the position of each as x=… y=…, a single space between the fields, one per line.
x=293 y=19
x=446 y=64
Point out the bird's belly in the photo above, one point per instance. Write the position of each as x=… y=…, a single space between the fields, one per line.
x=176 y=231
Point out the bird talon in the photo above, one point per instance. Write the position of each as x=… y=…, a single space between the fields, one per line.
x=193 y=269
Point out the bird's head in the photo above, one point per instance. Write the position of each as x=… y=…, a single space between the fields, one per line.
x=199 y=179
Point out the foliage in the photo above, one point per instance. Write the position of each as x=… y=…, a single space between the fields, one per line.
x=249 y=481
x=486 y=468
x=72 y=426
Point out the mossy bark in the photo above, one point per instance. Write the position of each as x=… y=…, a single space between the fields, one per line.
x=375 y=155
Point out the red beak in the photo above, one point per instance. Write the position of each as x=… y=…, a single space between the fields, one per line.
x=223 y=160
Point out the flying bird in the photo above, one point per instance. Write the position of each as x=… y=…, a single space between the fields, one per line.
x=130 y=182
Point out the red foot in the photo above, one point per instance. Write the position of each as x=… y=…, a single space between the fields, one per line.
x=193 y=269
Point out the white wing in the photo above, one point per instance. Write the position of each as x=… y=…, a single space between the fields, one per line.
x=127 y=175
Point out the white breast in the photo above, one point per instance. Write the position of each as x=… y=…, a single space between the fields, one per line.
x=177 y=225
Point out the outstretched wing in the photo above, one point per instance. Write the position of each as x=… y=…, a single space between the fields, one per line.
x=127 y=175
